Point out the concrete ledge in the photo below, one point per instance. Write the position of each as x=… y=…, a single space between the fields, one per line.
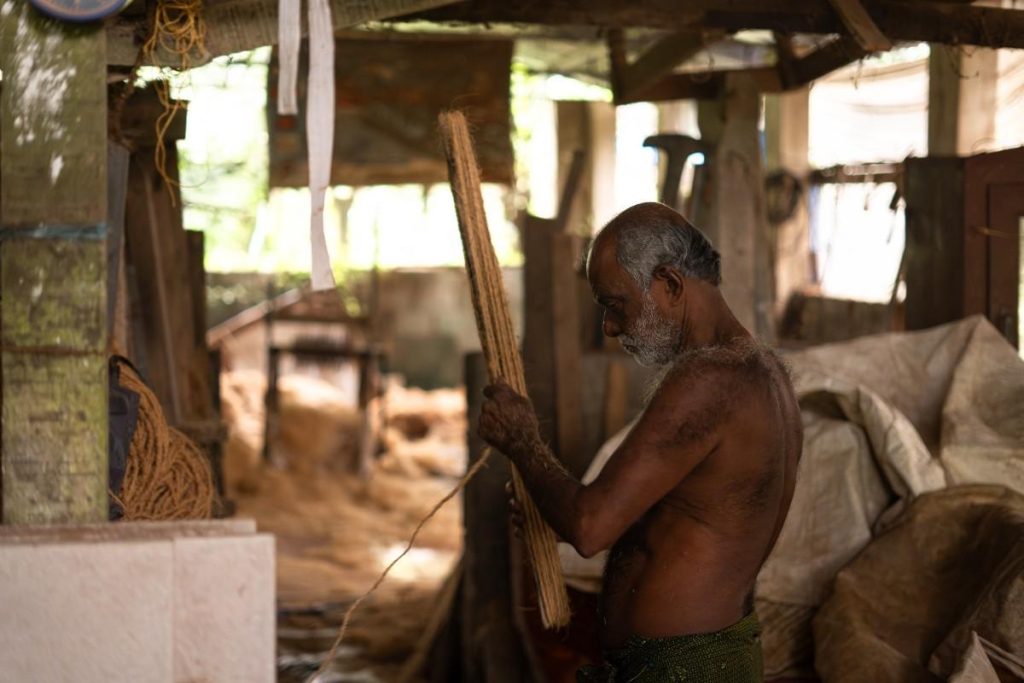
x=158 y=601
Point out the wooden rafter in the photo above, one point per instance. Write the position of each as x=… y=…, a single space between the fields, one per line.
x=949 y=23
x=785 y=57
x=824 y=61
x=790 y=74
x=861 y=27
x=657 y=62
x=237 y=25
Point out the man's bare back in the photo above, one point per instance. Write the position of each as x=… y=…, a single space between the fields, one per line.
x=688 y=565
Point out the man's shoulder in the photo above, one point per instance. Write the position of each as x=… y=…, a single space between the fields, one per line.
x=720 y=366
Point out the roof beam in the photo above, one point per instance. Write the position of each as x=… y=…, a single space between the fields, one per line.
x=237 y=25
x=659 y=60
x=790 y=74
x=860 y=25
x=951 y=23
x=824 y=61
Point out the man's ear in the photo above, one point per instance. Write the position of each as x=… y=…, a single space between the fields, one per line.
x=673 y=280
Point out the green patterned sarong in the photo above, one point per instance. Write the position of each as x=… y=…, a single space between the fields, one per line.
x=732 y=655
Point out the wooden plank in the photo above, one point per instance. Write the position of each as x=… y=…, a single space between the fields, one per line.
x=538 y=321
x=787 y=118
x=118 y=160
x=237 y=25
x=575 y=140
x=570 y=190
x=951 y=23
x=934 y=251
x=785 y=57
x=663 y=14
x=703 y=86
x=824 y=61
x=195 y=249
x=198 y=374
x=564 y=338
x=736 y=222
x=943 y=100
x=493 y=650
x=1005 y=214
x=389 y=98
x=156 y=243
x=661 y=58
x=983 y=173
x=53 y=263
x=861 y=27
x=791 y=74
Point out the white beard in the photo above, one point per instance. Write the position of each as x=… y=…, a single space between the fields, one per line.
x=653 y=341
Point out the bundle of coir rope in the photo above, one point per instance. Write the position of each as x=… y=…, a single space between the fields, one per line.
x=166 y=476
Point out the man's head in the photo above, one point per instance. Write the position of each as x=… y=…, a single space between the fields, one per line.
x=642 y=267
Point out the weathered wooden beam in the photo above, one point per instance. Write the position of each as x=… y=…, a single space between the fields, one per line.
x=824 y=61
x=702 y=86
x=53 y=261
x=661 y=58
x=663 y=14
x=785 y=57
x=950 y=23
x=734 y=207
x=789 y=75
x=861 y=27
x=237 y=25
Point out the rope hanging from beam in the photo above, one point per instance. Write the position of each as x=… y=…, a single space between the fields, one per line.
x=500 y=348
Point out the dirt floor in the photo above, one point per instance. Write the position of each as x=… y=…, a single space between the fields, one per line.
x=336 y=530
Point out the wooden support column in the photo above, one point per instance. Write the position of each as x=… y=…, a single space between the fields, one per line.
x=493 y=644
x=588 y=126
x=786 y=148
x=53 y=263
x=734 y=202
x=961 y=100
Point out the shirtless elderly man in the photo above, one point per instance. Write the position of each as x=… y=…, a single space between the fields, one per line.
x=693 y=500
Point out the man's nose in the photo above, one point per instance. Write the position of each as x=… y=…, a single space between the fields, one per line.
x=611 y=328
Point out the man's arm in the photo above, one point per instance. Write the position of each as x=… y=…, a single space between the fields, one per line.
x=679 y=428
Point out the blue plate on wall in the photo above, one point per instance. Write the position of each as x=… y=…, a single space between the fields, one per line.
x=79 y=11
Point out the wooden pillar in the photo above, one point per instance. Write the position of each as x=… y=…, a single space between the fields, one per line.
x=552 y=341
x=734 y=202
x=588 y=126
x=53 y=212
x=493 y=644
x=961 y=100
x=786 y=150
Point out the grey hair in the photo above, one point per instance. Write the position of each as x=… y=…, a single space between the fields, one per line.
x=652 y=235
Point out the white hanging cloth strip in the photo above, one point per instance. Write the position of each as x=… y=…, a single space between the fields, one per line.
x=289 y=35
x=320 y=133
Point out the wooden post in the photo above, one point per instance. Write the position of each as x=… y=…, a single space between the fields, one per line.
x=961 y=100
x=786 y=143
x=53 y=260
x=493 y=647
x=590 y=127
x=735 y=211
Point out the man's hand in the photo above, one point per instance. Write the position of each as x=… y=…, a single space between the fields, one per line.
x=507 y=420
